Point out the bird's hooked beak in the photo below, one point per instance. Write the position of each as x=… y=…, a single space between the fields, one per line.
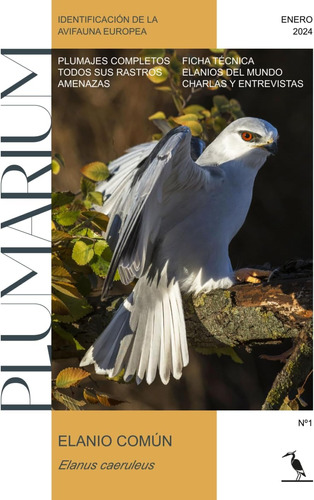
x=271 y=146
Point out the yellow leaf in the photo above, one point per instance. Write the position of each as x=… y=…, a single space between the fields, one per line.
x=67 y=401
x=55 y=166
x=57 y=235
x=82 y=252
x=119 y=377
x=58 y=307
x=182 y=120
x=294 y=405
x=70 y=377
x=159 y=115
x=194 y=108
x=285 y=407
x=67 y=289
x=187 y=120
x=156 y=137
x=105 y=400
x=159 y=74
x=164 y=88
x=90 y=396
x=61 y=272
x=55 y=261
x=95 y=197
x=206 y=113
x=96 y=171
x=196 y=128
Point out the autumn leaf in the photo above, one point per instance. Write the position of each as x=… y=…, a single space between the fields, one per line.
x=59 y=236
x=70 y=377
x=159 y=115
x=57 y=163
x=195 y=109
x=66 y=289
x=59 y=273
x=96 y=171
x=57 y=306
x=107 y=401
x=159 y=75
x=67 y=401
x=90 y=396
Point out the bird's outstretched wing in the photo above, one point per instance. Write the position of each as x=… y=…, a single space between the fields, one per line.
x=123 y=168
x=136 y=209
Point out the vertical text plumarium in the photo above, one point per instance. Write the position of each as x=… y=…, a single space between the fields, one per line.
x=25 y=197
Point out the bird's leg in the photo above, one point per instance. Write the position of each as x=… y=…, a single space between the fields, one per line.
x=251 y=275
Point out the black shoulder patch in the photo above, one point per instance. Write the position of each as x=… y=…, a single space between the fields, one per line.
x=143 y=165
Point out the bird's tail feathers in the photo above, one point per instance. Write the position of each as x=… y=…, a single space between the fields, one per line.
x=105 y=353
x=146 y=334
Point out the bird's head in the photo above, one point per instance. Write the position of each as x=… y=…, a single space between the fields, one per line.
x=289 y=453
x=250 y=140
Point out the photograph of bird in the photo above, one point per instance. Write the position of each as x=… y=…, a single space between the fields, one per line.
x=171 y=220
x=296 y=464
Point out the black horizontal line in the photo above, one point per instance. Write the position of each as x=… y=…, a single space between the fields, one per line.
x=6 y=154
x=25 y=407
x=26 y=250
x=31 y=196
x=295 y=481
x=27 y=52
x=25 y=368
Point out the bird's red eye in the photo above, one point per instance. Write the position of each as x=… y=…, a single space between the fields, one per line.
x=247 y=136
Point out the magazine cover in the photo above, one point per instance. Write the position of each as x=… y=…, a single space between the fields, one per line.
x=156 y=250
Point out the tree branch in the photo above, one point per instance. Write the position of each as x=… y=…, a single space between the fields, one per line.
x=292 y=375
x=249 y=314
x=246 y=315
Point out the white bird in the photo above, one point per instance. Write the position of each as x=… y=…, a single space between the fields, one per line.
x=171 y=222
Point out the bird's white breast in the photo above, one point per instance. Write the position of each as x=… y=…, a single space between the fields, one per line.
x=204 y=224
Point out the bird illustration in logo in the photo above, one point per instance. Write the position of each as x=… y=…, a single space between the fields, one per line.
x=296 y=464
